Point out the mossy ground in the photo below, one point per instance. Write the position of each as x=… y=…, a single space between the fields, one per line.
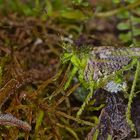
x=32 y=78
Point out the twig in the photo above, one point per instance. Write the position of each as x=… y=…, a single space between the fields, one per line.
x=116 y=11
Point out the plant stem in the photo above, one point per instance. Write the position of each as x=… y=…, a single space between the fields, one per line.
x=116 y=11
x=131 y=96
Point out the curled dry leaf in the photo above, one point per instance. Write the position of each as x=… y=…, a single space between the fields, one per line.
x=8 y=119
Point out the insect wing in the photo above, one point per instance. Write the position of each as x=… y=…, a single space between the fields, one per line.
x=104 y=61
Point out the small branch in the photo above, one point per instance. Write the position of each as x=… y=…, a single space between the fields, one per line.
x=116 y=11
x=75 y=119
x=67 y=94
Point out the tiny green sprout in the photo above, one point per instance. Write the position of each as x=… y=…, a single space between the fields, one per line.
x=74 y=56
x=78 y=61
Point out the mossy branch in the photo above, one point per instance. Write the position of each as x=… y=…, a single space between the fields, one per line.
x=89 y=96
x=73 y=72
x=131 y=96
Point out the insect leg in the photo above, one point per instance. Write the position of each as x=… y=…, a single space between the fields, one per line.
x=73 y=72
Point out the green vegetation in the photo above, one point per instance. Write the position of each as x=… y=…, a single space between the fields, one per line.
x=69 y=69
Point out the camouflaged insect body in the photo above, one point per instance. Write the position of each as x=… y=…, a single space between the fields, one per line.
x=112 y=119
x=103 y=67
x=104 y=61
x=98 y=66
